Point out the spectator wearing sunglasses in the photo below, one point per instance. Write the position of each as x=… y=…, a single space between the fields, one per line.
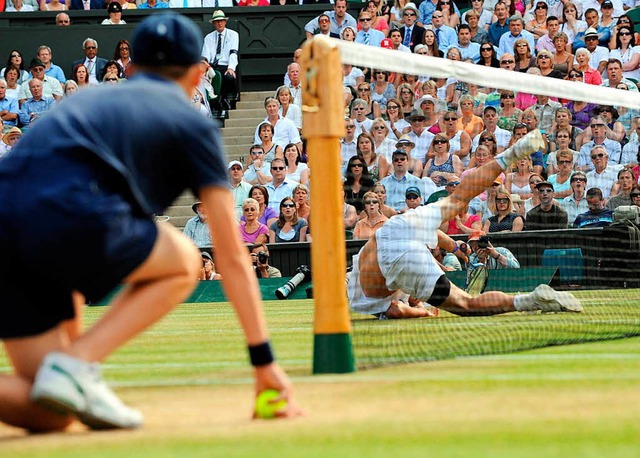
x=289 y=228
x=576 y=202
x=603 y=175
x=505 y=219
x=598 y=128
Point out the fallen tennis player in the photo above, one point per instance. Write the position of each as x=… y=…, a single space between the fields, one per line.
x=395 y=274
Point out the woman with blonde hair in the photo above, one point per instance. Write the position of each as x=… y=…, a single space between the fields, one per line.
x=561 y=180
x=382 y=145
x=301 y=197
x=288 y=109
x=251 y=230
x=459 y=140
x=504 y=219
x=562 y=60
x=395 y=121
x=381 y=192
x=468 y=121
x=518 y=180
x=374 y=219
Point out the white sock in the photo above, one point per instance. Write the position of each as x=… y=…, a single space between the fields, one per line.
x=506 y=158
x=524 y=302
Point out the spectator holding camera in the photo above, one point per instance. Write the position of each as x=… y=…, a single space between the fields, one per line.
x=492 y=257
x=260 y=262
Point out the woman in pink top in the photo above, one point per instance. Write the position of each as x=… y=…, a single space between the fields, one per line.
x=251 y=230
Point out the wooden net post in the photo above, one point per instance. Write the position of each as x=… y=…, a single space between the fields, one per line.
x=323 y=120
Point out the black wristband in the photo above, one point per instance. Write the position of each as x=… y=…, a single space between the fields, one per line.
x=261 y=354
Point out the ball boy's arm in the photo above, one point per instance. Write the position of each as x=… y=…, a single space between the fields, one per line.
x=241 y=286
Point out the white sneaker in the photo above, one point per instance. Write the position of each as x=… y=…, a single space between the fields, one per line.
x=548 y=299
x=71 y=386
x=523 y=148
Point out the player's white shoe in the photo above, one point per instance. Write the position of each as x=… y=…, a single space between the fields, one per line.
x=71 y=386
x=548 y=299
x=523 y=148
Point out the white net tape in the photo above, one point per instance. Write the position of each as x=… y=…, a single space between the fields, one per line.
x=413 y=64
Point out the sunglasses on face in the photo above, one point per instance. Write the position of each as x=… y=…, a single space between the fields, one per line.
x=350 y=127
x=545 y=191
x=624 y=34
x=437 y=17
x=90 y=47
x=409 y=14
x=541 y=7
x=323 y=21
x=575 y=75
x=364 y=89
x=412 y=197
x=564 y=162
x=507 y=96
x=450 y=119
x=251 y=209
x=502 y=200
x=507 y=62
x=364 y=19
x=439 y=142
x=634 y=196
x=277 y=168
x=392 y=107
x=543 y=57
x=378 y=128
x=399 y=159
x=287 y=205
x=111 y=79
x=359 y=164
x=369 y=202
x=584 y=180
x=453 y=183
x=15 y=55
x=597 y=156
x=591 y=38
x=486 y=49
x=486 y=139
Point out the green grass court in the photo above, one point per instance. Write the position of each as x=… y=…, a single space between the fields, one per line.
x=191 y=378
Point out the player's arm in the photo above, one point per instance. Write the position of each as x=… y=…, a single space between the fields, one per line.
x=458 y=248
x=241 y=287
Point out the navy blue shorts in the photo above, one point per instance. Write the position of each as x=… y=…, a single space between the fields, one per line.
x=64 y=226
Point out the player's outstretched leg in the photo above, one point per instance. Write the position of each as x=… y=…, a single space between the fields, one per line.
x=71 y=382
x=543 y=298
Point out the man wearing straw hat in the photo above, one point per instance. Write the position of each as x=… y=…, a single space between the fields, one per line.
x=221 y=50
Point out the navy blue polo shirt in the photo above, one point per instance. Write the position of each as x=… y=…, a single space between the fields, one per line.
x=144 y=133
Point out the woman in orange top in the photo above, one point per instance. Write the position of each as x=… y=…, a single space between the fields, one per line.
x=366 y=227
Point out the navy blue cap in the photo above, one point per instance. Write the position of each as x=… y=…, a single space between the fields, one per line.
x=167 y=39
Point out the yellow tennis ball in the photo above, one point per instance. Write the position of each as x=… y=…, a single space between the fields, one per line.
x=267 y=409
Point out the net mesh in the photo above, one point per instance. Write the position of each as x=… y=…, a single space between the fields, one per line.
x=598 y=265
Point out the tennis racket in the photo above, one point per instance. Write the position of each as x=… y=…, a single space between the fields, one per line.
x=477 y=277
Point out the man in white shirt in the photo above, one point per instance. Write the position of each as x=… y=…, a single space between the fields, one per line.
x=51 y=87
x=604 y=175
x=419 y=135
x=221 y=50
x=490 y=118
x=599 y=138
x=239 y=188
x=348 y=147
x=295 y=86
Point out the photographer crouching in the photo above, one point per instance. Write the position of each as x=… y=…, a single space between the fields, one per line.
x=260 y=261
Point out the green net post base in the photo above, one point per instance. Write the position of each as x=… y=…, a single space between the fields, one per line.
x=333 y=354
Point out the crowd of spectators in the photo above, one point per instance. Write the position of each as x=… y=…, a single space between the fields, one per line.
x=409 y=139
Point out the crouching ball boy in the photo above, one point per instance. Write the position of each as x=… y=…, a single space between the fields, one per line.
x=394 y=273
x=80 y=191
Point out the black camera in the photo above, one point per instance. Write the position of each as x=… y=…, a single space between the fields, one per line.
x=483 y=242
x=263 y=257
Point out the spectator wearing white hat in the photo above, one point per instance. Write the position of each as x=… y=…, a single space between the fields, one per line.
x=239 y=188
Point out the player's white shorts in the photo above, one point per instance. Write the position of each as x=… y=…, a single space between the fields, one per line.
x=368 y=305
x=403 y=251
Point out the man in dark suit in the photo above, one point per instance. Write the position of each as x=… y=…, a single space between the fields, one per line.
x=86 y=5
x=94 y=64
x=412 y=33
x=324 y=26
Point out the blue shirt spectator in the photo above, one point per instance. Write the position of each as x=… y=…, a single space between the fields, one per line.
x=496 y=31
x=8 y=105
x=371 y=37
x=153 y=4
x=516 y=31
x=32 y=109
x=427 y=7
